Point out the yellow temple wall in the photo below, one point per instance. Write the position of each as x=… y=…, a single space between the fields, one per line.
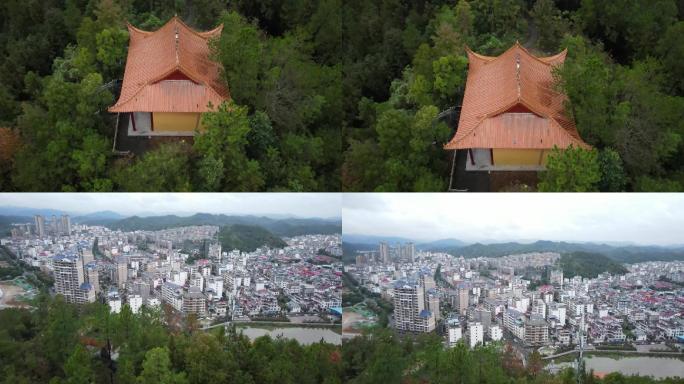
x=520 y=156
x=176 y=122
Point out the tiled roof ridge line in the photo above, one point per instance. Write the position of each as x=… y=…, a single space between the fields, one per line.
x=544 y=60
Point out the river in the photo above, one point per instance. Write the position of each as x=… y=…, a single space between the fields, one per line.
x=304 y=335
x=658 y=367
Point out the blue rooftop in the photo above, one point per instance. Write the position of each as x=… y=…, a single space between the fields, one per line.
x=425 y=314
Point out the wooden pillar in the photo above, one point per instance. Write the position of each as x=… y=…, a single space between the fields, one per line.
x=541 y=156
x=152 y=121
x=133 y=120
x=491 y=155
x=472 y=159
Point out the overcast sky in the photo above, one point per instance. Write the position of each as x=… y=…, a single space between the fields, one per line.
x=656 y=219
x=322 y=205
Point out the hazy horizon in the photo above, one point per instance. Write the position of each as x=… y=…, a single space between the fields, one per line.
x=639 y=219
x=304 y=205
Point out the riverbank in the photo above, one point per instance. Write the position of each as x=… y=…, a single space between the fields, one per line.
x=659 y=367
x=616 y=355
x=337 y=328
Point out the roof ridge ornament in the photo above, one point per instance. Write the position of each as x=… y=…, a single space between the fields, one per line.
x=517 y=72
x=177 y=58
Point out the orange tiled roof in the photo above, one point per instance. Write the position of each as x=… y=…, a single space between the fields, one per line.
x=169 y=70
x=510 y=102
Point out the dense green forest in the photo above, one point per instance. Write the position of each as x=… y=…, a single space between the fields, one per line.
x=63 y=343
x=382 y=357
x=248 y=238
x=61 y=61
x=588 y=264
x=404 y=64
x=330 y=94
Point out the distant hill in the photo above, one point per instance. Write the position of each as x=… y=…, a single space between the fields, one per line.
x=102 y=215
x=284 y=227
x=589 y=264
x=349 y=251
x=621 y=254
x=374 y=240
x=247 y=238
x=30 y=212
x=7 y=221
x=98 y=218
x=442 y=244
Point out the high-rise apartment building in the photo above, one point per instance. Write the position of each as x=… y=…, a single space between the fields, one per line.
x=536 y=331
x=70 y=280
x=475 y=334
x=407 y=252
x=40 y=225
x=65 y=225
x=121 y=272
x=410 y=311
x=195 y=302
x=454 y=331
x=384 y=253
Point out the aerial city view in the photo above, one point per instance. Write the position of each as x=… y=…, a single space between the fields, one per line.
x=546 y=290
x=93 y=293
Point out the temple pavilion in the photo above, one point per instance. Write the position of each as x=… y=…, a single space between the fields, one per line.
x=512 y=116
x=169 y=80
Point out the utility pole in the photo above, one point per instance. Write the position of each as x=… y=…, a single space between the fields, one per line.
x=580 y=359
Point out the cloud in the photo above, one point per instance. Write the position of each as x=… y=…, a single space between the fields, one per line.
x=639 y=218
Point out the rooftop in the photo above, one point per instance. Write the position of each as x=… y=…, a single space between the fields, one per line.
x=170 y=70
x=510 y=102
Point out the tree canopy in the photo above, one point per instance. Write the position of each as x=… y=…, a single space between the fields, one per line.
x=62 y=63
x=64 y=343
x=622 y=78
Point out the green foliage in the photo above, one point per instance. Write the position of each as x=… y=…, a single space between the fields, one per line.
x=381 y=356
x=633 y=28
x=224 y=166
x=450 y=76
x=111 y=50
x=248 y=238
x=241 y=43
x=63 y=343
x=77 y=367
x=588 y=264
x=165 y=169
x=613 y=178
x=571 y=170
x=671 y=48
x=62 y=72
x=157 y=369
x=550 y=24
